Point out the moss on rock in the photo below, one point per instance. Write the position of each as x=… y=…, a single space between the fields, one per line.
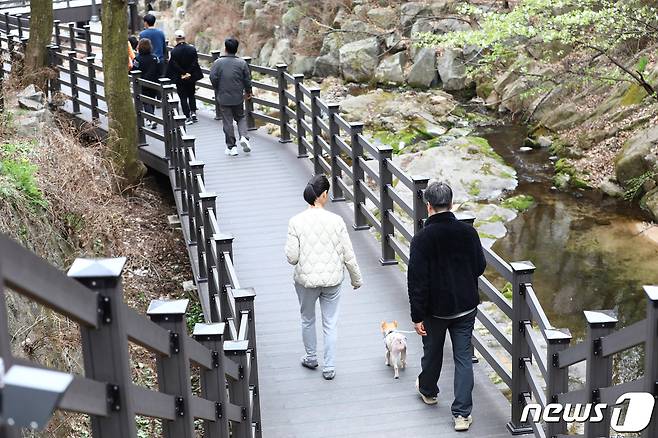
x=519 y=202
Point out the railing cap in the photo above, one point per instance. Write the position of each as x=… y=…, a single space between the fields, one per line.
x=244 y=294
x=133 y=72
x=207 y=195
x=523 y=267
x=357 y=126
x=333 y=106
x=652 y=293
x=315 y=91
x=188 y=137
x=601 y=318
x=212 y=329
x=384 y=148
x=420 y=179
x=180 y=117
x=281 y=66
x=222 y=237
x=557 y=336
x=97 y=268
x=71 y=52
x=90 y=58
x=465 y=217
x=236 y=347
x=167 y=307
x=197 y=164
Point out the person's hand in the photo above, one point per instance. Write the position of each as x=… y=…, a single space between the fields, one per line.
x=186 y=76
x=420 y=329
x=248 y=96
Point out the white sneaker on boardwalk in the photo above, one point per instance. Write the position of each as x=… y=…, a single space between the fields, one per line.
x=427 y=400
x=244 y=142
x=233 y=152
x=462 y=424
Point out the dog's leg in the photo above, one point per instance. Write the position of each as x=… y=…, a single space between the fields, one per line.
x=387 y=358
x=403 y=356
x=396 y=364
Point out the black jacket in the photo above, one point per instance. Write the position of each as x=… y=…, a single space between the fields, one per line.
x=445 y=262
x=183 y=59
x=148 y=65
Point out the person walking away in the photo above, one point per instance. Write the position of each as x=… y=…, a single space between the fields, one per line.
x=147 y=63
x=446 y=259
x=184 y=70
x=231 y=79
x=320 y=248
x=157 y=37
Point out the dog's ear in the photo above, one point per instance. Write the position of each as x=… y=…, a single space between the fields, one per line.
x=395 y=324
x=383 y=324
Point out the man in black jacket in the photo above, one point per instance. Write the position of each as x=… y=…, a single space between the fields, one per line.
x=446 y=259
x=183 y=69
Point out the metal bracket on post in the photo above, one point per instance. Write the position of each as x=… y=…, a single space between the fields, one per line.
x=104 y=309
x=113 y=397
x=180 y=406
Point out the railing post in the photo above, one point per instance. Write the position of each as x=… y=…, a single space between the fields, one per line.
x=73 y=65
x=209 y=204
x=299 y=116
x=419 y=206
x=598 y=368
x=88 y=47
x=7 y=28
x=72 y=36
x=218 y=116
x=336 y=172
x=249 y=105
x=105 y=348
x=651 y=355
x=223 y=244
x=133 y=15
x=360 y=222
x=239 y=389
x=19 y=22
x=174 y=370
x=283 y=103
x=521 y=274
x=54 y=64
x=167 y=130
x=244 y=306
x=315 y=126
x=557 y=379
x=196 y=169
x=137 y=91
x=385 y=153
x=213 y=381
x=204 y=229
x=93 y=92
x=165 y=53
x=58 y=40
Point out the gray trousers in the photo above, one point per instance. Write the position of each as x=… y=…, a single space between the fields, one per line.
x=229 y=114
x=329 y=298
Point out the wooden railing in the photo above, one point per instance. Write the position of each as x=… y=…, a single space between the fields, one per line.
x=385 y=198
x=228 y=307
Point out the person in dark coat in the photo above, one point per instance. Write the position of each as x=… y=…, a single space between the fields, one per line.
x=231 y=79
x=183 y=69
x=148 y=64
x=445 y=261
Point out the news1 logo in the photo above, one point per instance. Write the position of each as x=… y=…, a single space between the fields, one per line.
x=638 y=412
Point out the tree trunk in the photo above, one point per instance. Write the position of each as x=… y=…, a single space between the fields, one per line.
x=41 y=30
x=122 y=136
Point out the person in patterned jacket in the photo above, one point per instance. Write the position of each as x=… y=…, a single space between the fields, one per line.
x=320 y=249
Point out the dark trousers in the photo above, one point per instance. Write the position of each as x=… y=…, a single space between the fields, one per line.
x=232 y=113
x=185 y=91
x=461 y=331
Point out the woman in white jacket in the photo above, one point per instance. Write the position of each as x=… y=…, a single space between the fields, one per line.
x=320 y=248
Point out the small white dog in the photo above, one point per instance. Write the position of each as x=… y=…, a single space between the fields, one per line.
x=396 y=347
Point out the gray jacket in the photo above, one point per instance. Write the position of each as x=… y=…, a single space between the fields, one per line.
x=231 y=79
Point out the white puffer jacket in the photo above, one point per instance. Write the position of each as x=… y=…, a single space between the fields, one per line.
x=320 y=248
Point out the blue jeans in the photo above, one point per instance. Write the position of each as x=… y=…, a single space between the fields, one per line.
x=461 y=331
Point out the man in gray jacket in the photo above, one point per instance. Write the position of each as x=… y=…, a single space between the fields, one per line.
x=231 y=79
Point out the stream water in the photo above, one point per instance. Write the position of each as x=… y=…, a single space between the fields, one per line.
x=588 y=250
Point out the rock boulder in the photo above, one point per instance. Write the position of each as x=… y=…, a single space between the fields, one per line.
x=382 y=17
x=650 y=203
x=326 y=65
x=638 y=156
x=358 y=60
x=423 y=71
x=452 y=70
x=282 y=53
x=391 y=69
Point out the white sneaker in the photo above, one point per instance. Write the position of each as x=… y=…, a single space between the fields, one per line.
x=244 y=142
x=426 y=399
x=233 y=152
x=462 y=424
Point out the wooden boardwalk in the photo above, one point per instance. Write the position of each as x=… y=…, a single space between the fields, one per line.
x=257 y=194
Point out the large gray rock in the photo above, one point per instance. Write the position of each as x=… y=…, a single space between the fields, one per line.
x=303 y=65
x=391 y=69
x=650 y=203
x=291 y=19
x=638 y=156
x=266 y=52
x=249 y=9
x=282 y=53
x=564 y=116
x=452 y=70
x=326 y=65
x=423 y=71
x=383 y=17
x=263 y=23
x=611 y=189
x=358 y=60
x=408 y=13
x=31 y=99
x=445 y=25
x=340 y=18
